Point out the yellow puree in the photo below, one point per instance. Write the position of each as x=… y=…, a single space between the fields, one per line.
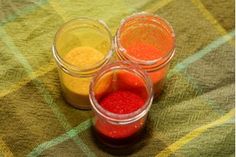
x=76 y=89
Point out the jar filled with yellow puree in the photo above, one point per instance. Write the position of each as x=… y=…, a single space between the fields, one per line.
x=81 y=47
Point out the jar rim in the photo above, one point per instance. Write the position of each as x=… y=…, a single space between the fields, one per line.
x=72 y=69
x=123 y=118
x=141 y=62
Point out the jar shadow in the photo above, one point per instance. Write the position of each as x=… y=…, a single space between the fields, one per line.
x=125 y=146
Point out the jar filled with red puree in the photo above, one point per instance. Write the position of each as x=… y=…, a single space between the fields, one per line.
x=121 y=95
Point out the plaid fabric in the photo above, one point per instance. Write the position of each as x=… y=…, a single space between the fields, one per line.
x=193 y=117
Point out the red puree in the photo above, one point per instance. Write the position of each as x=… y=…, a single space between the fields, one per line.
x=122 y=102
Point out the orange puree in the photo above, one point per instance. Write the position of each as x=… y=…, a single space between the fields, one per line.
x=149 y=52
x=76 y=89
x=143 y=51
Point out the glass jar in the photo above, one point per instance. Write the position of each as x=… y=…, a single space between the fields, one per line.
x=149 y=41
x=81 y=47
x=121 y=96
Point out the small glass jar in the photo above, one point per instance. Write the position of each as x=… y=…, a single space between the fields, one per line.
x=121 y=126
x=149 y=41
x=81 y=47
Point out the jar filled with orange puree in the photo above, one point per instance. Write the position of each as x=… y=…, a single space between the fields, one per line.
x=149 y=41
x=81 y=47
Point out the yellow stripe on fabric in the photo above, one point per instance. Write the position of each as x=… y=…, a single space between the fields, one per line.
x=155 y=6
x=194 y=134
x=33 y=75
x=210 y=18
x=4 y=150
x=60 y=11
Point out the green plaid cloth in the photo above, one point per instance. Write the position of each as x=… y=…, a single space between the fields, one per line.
x=193 y=117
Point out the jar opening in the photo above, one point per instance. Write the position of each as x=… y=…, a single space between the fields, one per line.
x=145 y=39
x=81 y=46
x=121 y=77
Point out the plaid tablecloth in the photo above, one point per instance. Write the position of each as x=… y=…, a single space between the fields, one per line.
x=193 y=117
